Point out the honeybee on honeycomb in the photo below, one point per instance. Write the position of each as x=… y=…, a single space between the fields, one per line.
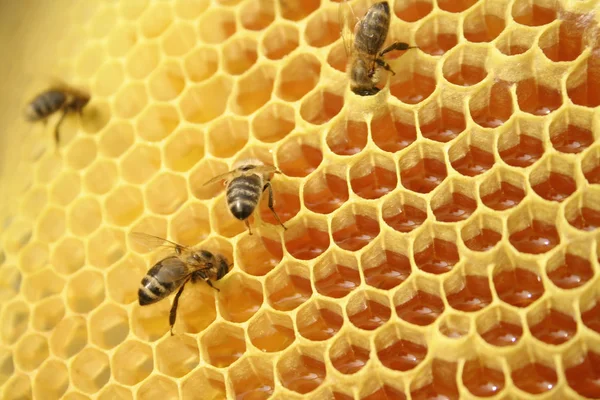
x=363 y=43
x=245 y=186
x=58 y=97
x=174 y=271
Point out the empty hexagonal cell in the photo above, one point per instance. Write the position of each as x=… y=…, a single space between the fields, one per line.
x=394 y=129
x=273 y=122
x=223 y=344
x=110 y=78
x=271 y=332
x=413 y=10
x=42 y=284
x=307 y=239
x=570 y=132
x=254 y=90
x=373 y=176
x=521 y=146
x=385 y=265
x=299 y=76
x=130 y=101
x=85 y=291
x=454 y=202
x=336 y=275
x=106 y=247
x=413 y=86
x=69 y=337
x=319 y=320
x=85 y=215
x=349 y=353
x=551 y=326
x=31 y=351
x=191 y=224
x=177 y=355
x=321 y=106
x=116 y=139
x=109 y=326
x=258 y=255
x=151 y=322
x=179 y=39
x=17 y=235
x=535 y=98
x=206 y=381
x=166 y=82
x=499 y=326
x=422 y=169
x=503 y=190
x=157 y=122
x=156 y=19
x=420 y=305
x=66 y=187
x=48 y=313
x=482 y=378
x=240 y=298
x=252 y=378
x=121 y=39
x=582 y=373
x=298 y=156
x=17 y=387
x=227 y=136
x=51 y=380
x=517 y=285
x=166 y=193
x=33 y=257
x=325 y=191
x=81 y=153
x=288 y=287
x=468 y=293
x=10 y=282
x=582 y=81
x=583 y=211
x=48 y=168
x=570 y=268
x=198 y=108
x=201 y=63
x=129 y=269
x=100 y=177
x=482 y=233
x=124 y=205
x=157 y=387
x=438 y=34
x=132 y=362
x=352 y=231
x=7 y=367
x=301 y=370
x=404 y=212
x=531 y=231
x=400 y=351
x=239 y=55
x=591 y=166
x=368 y=310
x=90 y=370
x=436 y=252
x=280 y=40
x=185 y=149
x=322 y=28
x=216 y=25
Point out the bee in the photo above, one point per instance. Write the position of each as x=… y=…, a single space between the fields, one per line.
x=60 y=97
x=245 y=186
x=364 y=50
x=174 y=271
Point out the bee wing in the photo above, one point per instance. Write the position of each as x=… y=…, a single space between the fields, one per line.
x=171 y=270
x=264 y=169
x=219 y=178
x=347 y=21
x=151 y=242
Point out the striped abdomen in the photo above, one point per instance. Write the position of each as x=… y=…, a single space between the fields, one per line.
x=161 y=280
x=45 y=104
x=243 y=193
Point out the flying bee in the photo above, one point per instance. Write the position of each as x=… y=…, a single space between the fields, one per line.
x=245 y=186
x=364 y=49
x=174 y=271
x=60 y=97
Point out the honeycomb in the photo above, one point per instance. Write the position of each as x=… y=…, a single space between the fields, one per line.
x=443 y=237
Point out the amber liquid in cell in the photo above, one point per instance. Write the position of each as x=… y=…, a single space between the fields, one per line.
x=353 y=140
x=407 y=219
x=444 y=42
x=438 y=258
x=518 y=287
x=392 y=136
x=591 y=318
x=536 y=16
x=253 y=387
x=459 y=208
x=385 y=393
x=414 y=90
x=536 y=99
x=593 y=175
x=341 y=396
x=414 y=11
x=339 y=283
x=241 y=303
x=448 y=125
x=535 y=378
x=503 y=334
x=372 y=317
x=376 y=184
x=557 y=187
x=312 y=244
x=584 y=378
x=525 y=153
x=329 y=199
x=573 y=140
x=337 y=58
x=328 y=107
x=286 y=206
x=306 y=377
x=539 y=237
x=499 y=107
x=352 y=360
x=455 y=6
x=402 y=355
x=423 y=309
x=474 y=162
x=507 y=196
x=468 y=75
x=576 y=271
x=262 y=260
x=443 y=385
x=299 y=167
x=389 y=274
x=493 y=27
x=295 y=292
x=556 y=328
x=475 y=296
x=586 y=220
x=484 y=241
x=482 y=381
x=226 y=352
x=325 y=326
x=274 y=338
x=425 y=176
x=358 y=235
x=569 y=44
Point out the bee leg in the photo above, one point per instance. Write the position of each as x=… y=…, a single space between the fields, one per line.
x=248 y=225
x=384 y=65
x=396 y=46
x=57 y=127
x=173 y=312
x=211 y=285
x=268 y=186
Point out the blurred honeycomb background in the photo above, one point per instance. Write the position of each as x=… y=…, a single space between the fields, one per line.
x=443 y=237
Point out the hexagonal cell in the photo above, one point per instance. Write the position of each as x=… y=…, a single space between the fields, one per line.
x=568 y=270
x=591 y=166
x=201 y=63
x=553 y=181
x=583 y=212
x=298 y=77
x=326 y=190
x=419 y=305
x=51 y=380
x=33 y=203
x=271 y=332
x=349 y=353
x=337 y=57
x=535 y=98
x=468 y=293
x=301 y=370
x=157 y=122
x=224 y=223
x=124 y=205
x=132 y=362
x=516 y=41
x=118 y=286
x=286 y=201
x=166 y=82
x=394 y=129
x=106 y=247
x=322 y=28
x=472 y=156
x=198 y=108
x=48 y=313
x=551 y=326
x=298 y=156
x=319 y=320
x=85 y=291
x=582 y=81
x=321 y=106
x=373 y=176
x=185 y=149
x=114 y=391
x=239 y=55
x=273 y=122
x=252 y=378
x=438 y=34
x=583 y=377
x=385 y=265
x=382 y=391
x=166 y=193
x=288 y=286
x=535 y=13
x=33 y=257
x=532 y=231
x=336 y=275
x=482 y=233
x=151 y=322
x=413 y=10
x=10 y=282
x=206 y=381
x=484 y=23
x=254 y=90
x=17 y=387
x=155 y=20
x=435 y=252
x=85 y=215
x=368 y=310
x=179 y=39
x=109 y=326
x=177 y=355
x=227 y=136
x=492 y=106
x=567 y=40
x=535 y=377
x=42 y=284
x=482 y=378
x=66 y=187
x=439 y=381
x=100 y=177
x=258 y=255
x=410 y=85
x=499 y=326
x=352 y=231
x=116 y=139
x=69 y=337
x=280 y=40
x=240 y=298
x=590 y=314
x=223 y=344
x=31 y=351
x=129 y=102
x=517 y=285
x=121 y=39
x=404 y=212
x=191 y=224
x=307 y=239
x=420 y=173
x=400 y=351
x=216 y=25
x=81 y=153
x=296 y=11
x=157 y=387
x=521 y=146
x=503 y=190
x=90 y=370
x=454 y=202
x=466 y=66
x=49 y=167
x=570 y=132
